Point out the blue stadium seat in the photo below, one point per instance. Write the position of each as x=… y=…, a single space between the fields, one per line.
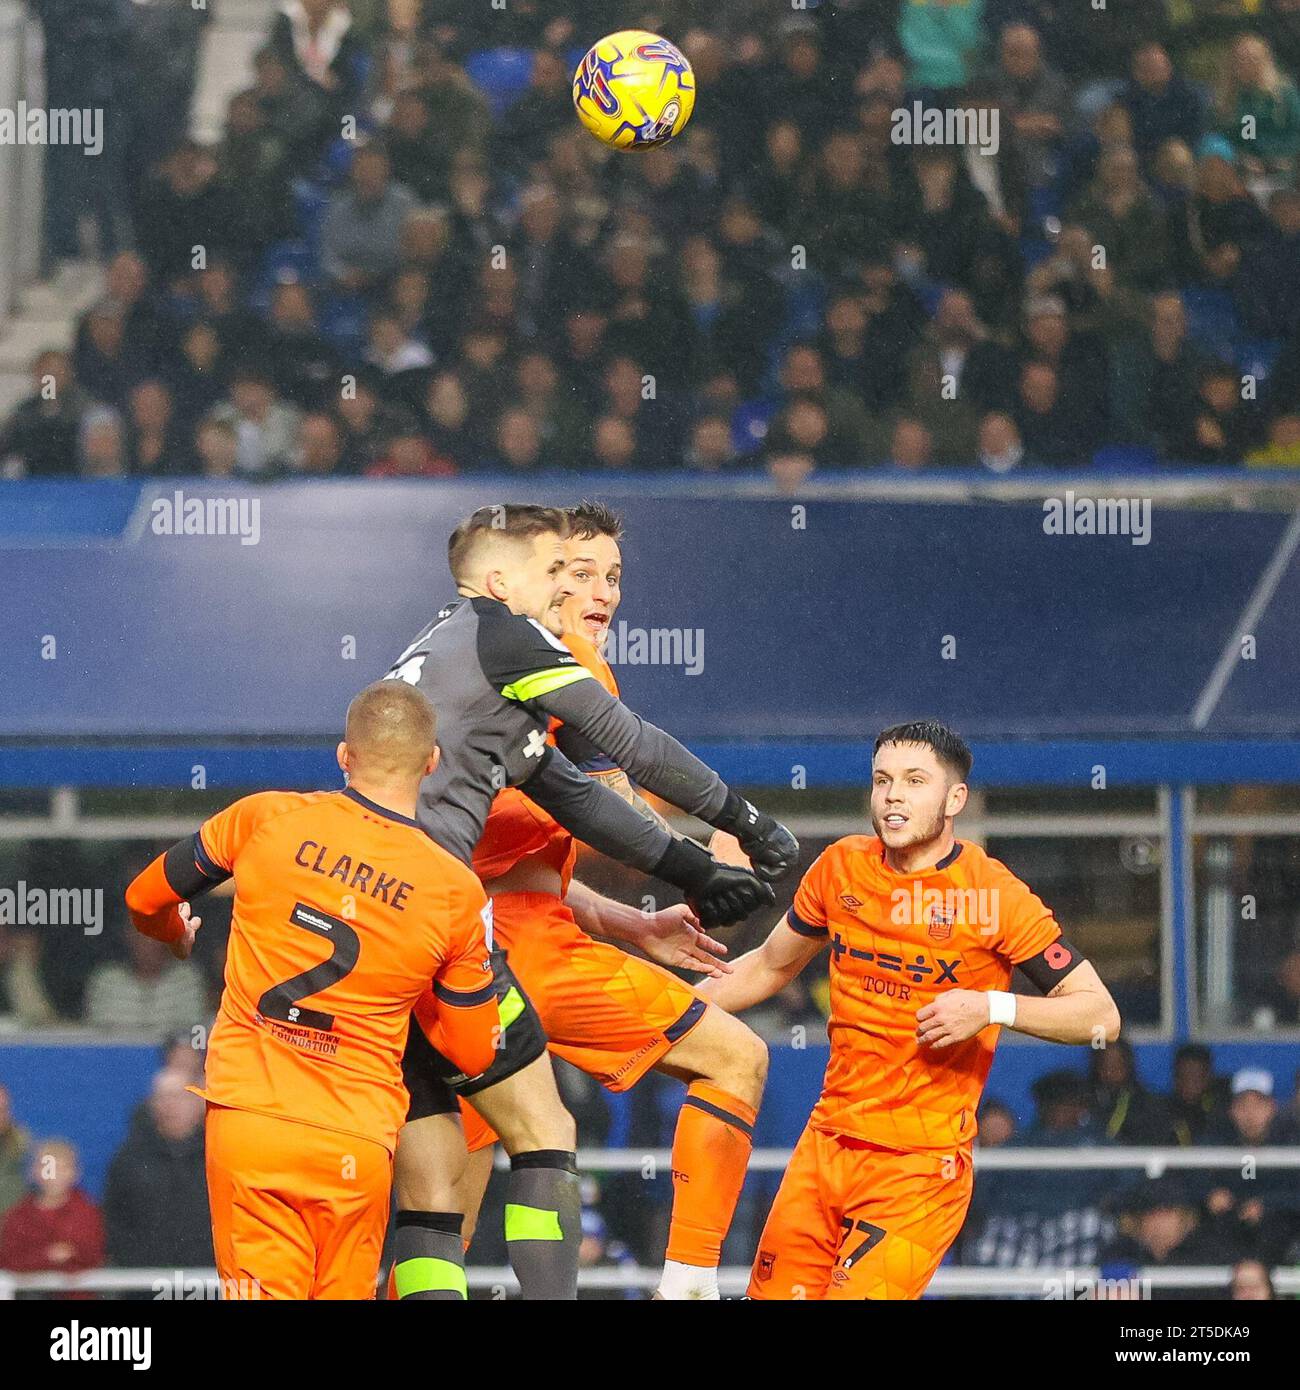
x=1257 y=356
x=310 y=200
x=343 y=322
x=1211 y=320
x=284 y=262
x=502 y=74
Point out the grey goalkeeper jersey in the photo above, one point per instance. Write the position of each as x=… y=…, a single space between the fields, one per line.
x=495 y=680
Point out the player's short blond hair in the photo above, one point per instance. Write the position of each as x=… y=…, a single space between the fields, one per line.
x=391 y=728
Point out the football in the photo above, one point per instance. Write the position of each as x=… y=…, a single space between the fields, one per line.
x=634 y=90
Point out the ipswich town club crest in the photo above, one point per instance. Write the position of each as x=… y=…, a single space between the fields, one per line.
x=941 y=921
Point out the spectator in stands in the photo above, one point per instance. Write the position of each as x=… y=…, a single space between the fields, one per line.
x=367 y=422
x=197 y=375
x=948 y=234
x=267 y=426
x=940 y=40
x=156 y=1197
x=1267 y=287
x=911 y=446
x=292 y=108
x=1219 y=429
x=562 y=424
x=14 y=1145
x=1258 y=1212
x=460 y=118
x=1122 y=1108
x=1251 y=1282
x=788 y=468
x=1260 y=108
x=1078 y=358
x=1000 y=445
x=1198 y=1094
x=102 y=444
x=803 y=375
x=1208 y=232
x=1279 y=1004
x=1062 y=1118
x=157 y=441
x=1043 y=424
x=1164 y=373
x=308 y=369
x=1034 y=97
x=414 y=148
x=1161 y=1227
x=361 y=237
x=146 y=324
x=39 y=439
x=613 y=445
x=632 y=395
x=86 y=68
x=165 y=37
x=803 y=427
x=544 y=110
x=397 y=354
x=1253 y=1117
x=1161 y=103
x=1124 y=217
x=447 y=419
x=316 y=41
x=150 y=993
x=1283 y=447
x=22 y=985
x=406 y=453
x=320 y=446
x=216 y=444
x=711 y=448
x=255 y=170
x=106 y=364
x=997 y=1125
x=519 y=446
x=184 y=210
x=56 y=1228
x=222 y=303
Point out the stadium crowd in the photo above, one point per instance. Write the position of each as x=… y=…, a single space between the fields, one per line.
x=406 y=258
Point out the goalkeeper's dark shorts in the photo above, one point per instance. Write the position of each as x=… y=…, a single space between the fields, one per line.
x=433 y=1081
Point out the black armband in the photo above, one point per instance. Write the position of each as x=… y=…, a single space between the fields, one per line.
x=1049 y=967
x=189 y=869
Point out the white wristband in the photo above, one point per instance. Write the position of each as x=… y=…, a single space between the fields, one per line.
x=1002 y=1008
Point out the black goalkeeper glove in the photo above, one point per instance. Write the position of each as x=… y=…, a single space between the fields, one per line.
x=719 y=894
x=772 y=849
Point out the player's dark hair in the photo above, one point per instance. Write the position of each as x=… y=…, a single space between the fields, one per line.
x=946 y=745
x=589 y=519
x=520 y=522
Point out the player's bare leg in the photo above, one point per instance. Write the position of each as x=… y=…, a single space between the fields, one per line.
x=472 y=1187
x=724 y=1063
x=428 y=1249
x=543 y=1206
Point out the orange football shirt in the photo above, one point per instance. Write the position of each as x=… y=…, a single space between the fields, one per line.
x=343 y=914
x=898 y=941
x=516 y=828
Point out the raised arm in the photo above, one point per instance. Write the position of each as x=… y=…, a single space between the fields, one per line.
x=603 y=820
x=765 y=971
x=659 y=763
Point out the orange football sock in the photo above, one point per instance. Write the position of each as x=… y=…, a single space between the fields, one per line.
x=711 y=1148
